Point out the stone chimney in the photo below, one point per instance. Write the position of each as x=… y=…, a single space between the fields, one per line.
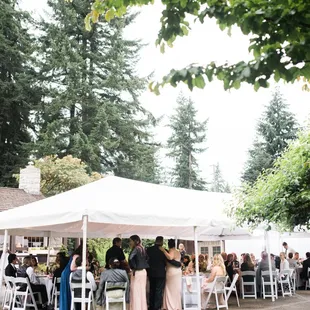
x=30 y=179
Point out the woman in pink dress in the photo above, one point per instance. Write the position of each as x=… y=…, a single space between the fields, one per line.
x=172 y=293
x=138 y=264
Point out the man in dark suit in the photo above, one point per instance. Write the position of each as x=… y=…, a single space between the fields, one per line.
x=10 y=270
x=305 y=265
x=157 y=274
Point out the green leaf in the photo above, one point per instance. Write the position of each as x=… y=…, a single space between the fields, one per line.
x=185 y=30
x=236 y=84
x=199 y=82
x=162 y=48
x=246 y=72
x=110 y=14
x=183 y=3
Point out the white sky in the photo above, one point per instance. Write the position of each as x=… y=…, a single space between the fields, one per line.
x=232 y=115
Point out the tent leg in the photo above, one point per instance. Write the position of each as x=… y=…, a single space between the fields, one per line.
x=5 y=241
x=197 y=269
x=176 y=242
x=85 y=220
x=48 y=251
x=270 y=266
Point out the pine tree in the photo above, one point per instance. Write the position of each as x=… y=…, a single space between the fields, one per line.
x=276 y=128
x=18 y=91
x=218 y=182
x=91 y=108
x=184 y=143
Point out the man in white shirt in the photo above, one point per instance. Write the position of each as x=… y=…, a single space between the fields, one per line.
x=27 y=271
x=288 y=249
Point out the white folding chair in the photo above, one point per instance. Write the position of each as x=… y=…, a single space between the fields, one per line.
x=110 y=300
x=233 y=288
x=190 y=292
x=308 y=280
x=23 y=295
x=247 y=283
x=266 y=282
x=217 y=287
x=55 y=293
x=285 y=281
x=89 y=298
x=293 y=280
x=8 y=293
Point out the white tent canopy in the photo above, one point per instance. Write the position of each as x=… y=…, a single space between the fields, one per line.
x=115 y=206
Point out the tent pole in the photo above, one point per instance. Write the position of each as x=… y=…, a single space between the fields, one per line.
x=85 y=220
x=5 y=241
x=176 y=242
x=197 y=268
x=48 y=251
x=270 y=266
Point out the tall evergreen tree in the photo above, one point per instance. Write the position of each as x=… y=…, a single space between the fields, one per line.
x=18 y=91
x=184 y=143
x=276 y=128
x=91 y=108
x=218 y=183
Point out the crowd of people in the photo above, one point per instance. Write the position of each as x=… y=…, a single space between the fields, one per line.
x=161 y=268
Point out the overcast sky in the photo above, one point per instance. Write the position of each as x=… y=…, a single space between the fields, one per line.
x=232 y=114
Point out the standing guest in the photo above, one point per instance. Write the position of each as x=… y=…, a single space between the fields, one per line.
x=77 y=278
x=292 y=262
x=229 y=264
x=27 y=271
x=115 y=252
x=305 y=265
x=284 y=264
x=117 y=279
x=156 y=273
x=65 y=291
x=61 y=261
x=287 y=249
x=182 y=251
x=138 y=263
x=172 y=294
x=218 y=270
x=10 y=270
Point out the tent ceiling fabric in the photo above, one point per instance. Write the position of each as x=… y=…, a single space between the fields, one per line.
x=121 y=206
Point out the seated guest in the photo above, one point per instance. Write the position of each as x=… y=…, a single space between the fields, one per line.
x=292 y=262
x=202 y=263
x=217 y=270
x=117 y=252
x=235 y=261
x=27 y=271
x=305 y=265
x=208 y=263
x=61 y=261
x=10 y=270
x=284 y=264
x=76 y=277
x=229 y=264
x=263 y=266
x=247 y=265
x=254 y=260
x=117 y=279
x=224 y=256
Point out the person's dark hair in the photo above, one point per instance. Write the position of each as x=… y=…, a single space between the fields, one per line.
x=33 y=258
x=284 y=243
x=27 y=260
x=290 y=255
x=159 y=239
x=116 y=240
x=78 y=261
x=186 y=263
x=63 y=260
x=78 y=250
x=308 y=254
x=114 y=263
x=247 y=259
x=171 y=243
x=136 y=239
x=11 y=258
x=230 y=257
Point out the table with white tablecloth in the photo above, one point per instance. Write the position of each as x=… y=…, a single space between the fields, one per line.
x=48 y=282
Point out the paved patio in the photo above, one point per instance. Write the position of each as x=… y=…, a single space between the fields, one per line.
x=300 y=301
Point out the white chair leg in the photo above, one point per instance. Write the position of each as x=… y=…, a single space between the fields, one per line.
x=217 y=302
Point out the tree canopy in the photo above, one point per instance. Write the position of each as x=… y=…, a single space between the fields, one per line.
x=280 y=195
x=275 y=129
x=278 y=30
